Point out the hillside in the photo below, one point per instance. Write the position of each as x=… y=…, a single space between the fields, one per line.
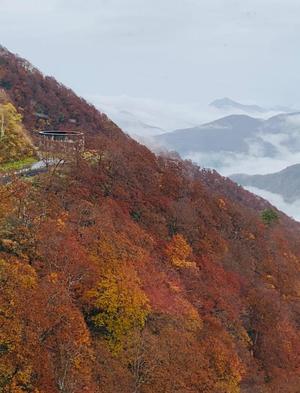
x=285 y=183
x=45 y=103
x=123 y=271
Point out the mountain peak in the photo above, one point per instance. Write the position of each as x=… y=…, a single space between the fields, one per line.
x=223 y=101
x=227 y=103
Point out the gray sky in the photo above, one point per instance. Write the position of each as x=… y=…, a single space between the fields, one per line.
x=177 y=50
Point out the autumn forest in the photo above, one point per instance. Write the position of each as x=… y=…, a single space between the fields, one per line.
x=123 y=271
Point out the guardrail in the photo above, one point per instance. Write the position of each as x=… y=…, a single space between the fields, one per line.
x=34 y=169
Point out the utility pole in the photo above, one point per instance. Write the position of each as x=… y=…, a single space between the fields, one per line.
x=2 y=132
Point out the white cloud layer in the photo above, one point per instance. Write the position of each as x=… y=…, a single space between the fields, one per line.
x=147 y=117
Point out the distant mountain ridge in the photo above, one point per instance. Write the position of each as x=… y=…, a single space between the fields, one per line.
x=226 y=134
x=146 y=117
x=235 y=133
x=227 y=103
x=285 y=183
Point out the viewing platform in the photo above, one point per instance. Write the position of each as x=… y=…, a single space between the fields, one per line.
x=62 y=136
x=58 y=140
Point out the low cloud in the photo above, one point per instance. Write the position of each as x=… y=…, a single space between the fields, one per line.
x=285 y=152
x=231 y=163
x=290 y=209
x=133 y=113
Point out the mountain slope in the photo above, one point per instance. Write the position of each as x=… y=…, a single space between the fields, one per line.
x=45 y=103
x=124 y=271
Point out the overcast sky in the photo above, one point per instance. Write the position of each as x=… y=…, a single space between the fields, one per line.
x=176 y=50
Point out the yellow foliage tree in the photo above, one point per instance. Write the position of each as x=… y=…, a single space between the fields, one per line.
x=17 y=283
x=122 y=306
x=14 y=143
x=178 y=252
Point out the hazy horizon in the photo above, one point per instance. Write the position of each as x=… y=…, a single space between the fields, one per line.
x=174 y=51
